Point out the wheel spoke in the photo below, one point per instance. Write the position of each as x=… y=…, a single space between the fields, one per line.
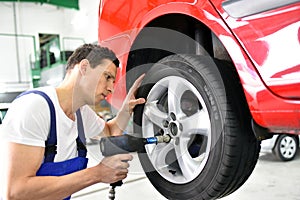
x=198 y=123
x=175 y=91
x=186 y=163
x=154 y=114
x=159 y=155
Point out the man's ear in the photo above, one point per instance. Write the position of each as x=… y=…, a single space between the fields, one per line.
x=83 y=66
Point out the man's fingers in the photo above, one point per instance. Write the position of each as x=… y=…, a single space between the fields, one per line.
x=133 y=103
x=123 y=157
x=137 y=101
x=124 y=165
x=137 y=82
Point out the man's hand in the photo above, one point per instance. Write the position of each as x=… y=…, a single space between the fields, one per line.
x=113 y=168
x=130 y=101
x=117 y=125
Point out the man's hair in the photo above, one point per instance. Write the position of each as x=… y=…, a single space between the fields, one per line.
x=93 y=53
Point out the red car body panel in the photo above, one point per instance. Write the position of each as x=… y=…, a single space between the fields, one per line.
x=275 y=56
x=264 y=47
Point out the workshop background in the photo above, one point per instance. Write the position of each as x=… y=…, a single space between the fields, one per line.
x=36 y=39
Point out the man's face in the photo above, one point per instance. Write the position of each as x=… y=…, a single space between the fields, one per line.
x=101 y=81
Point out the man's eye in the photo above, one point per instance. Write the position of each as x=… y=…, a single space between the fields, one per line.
x=109 y=78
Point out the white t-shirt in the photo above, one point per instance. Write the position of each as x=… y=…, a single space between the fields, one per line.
x=28 y=122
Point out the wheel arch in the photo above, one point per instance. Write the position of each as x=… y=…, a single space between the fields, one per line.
x=207 y=43
x=140 y=59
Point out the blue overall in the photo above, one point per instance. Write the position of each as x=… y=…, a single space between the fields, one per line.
x=49 y=167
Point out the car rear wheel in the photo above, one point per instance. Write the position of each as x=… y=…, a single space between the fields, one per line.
x=286 y=147
x=213 y=150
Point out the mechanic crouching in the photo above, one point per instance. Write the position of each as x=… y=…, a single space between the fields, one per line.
x=45 y=131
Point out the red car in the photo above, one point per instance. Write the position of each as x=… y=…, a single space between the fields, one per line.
x=220 y=77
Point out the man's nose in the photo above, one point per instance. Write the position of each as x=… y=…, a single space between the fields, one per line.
x=110 y=87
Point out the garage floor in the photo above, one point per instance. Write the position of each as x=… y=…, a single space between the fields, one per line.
x=271 y=180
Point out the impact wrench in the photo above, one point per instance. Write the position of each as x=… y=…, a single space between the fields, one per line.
x=110 y=146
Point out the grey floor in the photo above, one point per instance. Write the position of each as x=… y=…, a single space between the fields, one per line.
x=270 y=180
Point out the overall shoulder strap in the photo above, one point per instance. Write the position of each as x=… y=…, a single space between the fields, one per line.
x=50 y=149
x=82 y=151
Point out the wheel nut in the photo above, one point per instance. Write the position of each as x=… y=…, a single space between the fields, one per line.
x=165 y=123
x=173 y=116
x=173 y=129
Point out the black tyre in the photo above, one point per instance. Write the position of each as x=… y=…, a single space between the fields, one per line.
x=286 y=147
x=213 y=150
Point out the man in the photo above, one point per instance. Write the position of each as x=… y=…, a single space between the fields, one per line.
x=45 y=130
